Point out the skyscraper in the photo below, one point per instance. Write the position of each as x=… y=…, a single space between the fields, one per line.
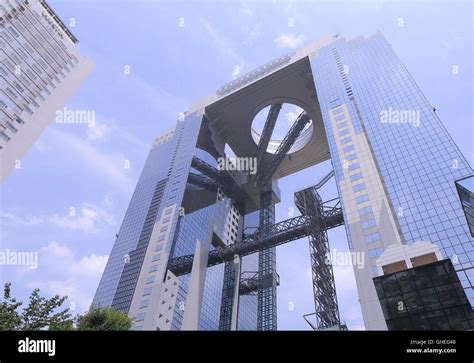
x=40 y=69
x=196 y=249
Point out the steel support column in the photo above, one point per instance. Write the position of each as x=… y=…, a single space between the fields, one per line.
x=309 y=203
x=227 y=300
x=267 y=304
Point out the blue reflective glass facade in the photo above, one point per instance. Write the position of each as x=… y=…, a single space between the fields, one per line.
x=415 y=156
x=154 y=171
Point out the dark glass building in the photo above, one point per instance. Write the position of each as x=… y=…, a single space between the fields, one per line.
x=427 y=297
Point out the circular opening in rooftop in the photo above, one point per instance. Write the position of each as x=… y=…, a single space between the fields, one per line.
x=287 y=116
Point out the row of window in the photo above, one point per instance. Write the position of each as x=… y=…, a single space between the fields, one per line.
x=368 y=224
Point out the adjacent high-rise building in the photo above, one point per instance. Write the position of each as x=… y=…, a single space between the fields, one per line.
x=197 y=246
x=40 y=68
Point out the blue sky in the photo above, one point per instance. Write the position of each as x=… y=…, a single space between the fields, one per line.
x=81 y=167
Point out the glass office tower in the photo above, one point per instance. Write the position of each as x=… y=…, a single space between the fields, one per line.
x=395 y=164
x=40 y=69
x=396 y=169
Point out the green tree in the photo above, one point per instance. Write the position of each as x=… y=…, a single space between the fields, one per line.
x=40 y=314
x=9 y=317
x=104 y=319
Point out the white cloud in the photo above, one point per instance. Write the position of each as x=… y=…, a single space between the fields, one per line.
x=8 y=218
x=291 y=117
x=288 y=40
x=246 y=10
x=110 y=166
x=97 y=132
x=254 y=33
x=65 y=274
x=222 y=44
x=88 y=219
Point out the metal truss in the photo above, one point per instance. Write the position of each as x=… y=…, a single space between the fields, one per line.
x=257 y=239
x=251 y=282
x=267 y=296
x=310 y=204
x=265 y=172
x=227 y=299
x=220 y=178
x=317 y=217
x=202 y=181
x=267 y=131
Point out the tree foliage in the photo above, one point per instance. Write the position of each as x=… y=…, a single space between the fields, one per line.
x=9 y=317
x=40 y=313
x=104 y=319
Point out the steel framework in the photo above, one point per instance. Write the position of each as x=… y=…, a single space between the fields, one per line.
x=227 y=299
x=267 y=131
x=265 y=172
x=278 y=234
x=213 y=178
x=310 y=204
x=251 y=282
x=267 y=296
x=202 y=181
x=316 y=218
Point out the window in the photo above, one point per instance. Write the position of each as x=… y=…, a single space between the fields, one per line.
x=358 y=187
x=153 y=268
x=143 y=304
x=354 y=166
x=147 y=291
x=155 y=258
x=150 y=280
x=369 y=223
x=346 y=140
x=13 y=31
x=140 y=317
x=375 y=252
x=356 y=177
x=348 y=148
x=4 y=136
x=11 y=127
x=362 y=198
x=351 y=157
x=373 y=237
x=158 y=248
x=364 y=211
x=341 y=125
